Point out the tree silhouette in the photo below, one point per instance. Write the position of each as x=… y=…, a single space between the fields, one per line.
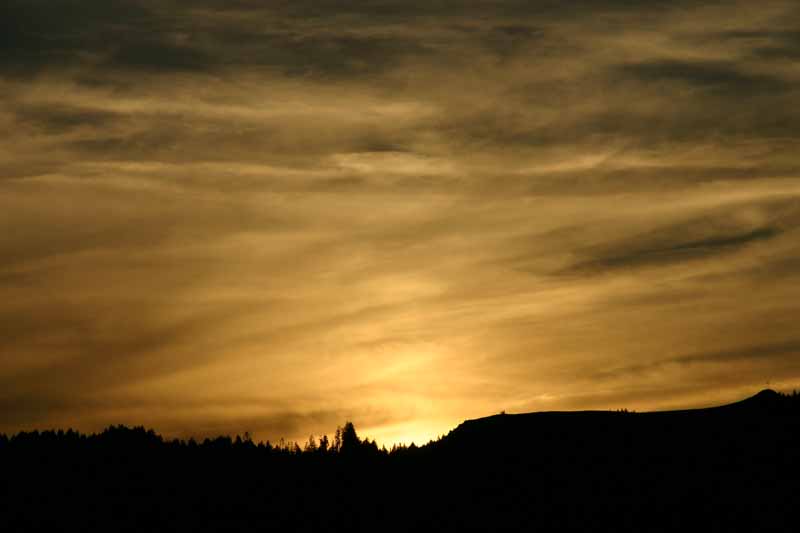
x=311 y=445
x=337 y=440
x=350 y=441
x=323 y=444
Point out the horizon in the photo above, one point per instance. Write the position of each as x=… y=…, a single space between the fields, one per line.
x=274 y=217
x=290 y=442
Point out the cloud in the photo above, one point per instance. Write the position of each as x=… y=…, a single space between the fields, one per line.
x=40 y=34
x=776 y=44
x=264 y=216
x=770 y=352
x=714 y=75
x=58 y=119
x=142 y=36
x=659 y=251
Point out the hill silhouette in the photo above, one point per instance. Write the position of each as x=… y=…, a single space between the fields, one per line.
x=731 y=467
x=767 y=403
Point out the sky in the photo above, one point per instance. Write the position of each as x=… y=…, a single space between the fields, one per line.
x=276 y=216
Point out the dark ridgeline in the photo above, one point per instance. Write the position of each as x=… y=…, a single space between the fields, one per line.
x=730 y=468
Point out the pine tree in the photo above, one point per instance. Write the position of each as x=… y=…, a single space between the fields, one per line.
x=311 y=445
x=350 y=440
x=323 y=444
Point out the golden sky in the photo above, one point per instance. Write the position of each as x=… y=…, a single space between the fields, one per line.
x=266 y=216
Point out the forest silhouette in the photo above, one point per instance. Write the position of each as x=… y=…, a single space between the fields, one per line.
x=727 y=468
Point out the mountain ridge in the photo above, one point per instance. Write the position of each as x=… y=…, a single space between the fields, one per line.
x=764 y=404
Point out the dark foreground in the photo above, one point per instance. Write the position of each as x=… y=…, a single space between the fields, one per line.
x=731 y=468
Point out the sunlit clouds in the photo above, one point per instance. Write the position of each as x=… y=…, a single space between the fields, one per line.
x=274 y=217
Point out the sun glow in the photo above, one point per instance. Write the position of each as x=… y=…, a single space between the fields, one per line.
x=406 y=433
